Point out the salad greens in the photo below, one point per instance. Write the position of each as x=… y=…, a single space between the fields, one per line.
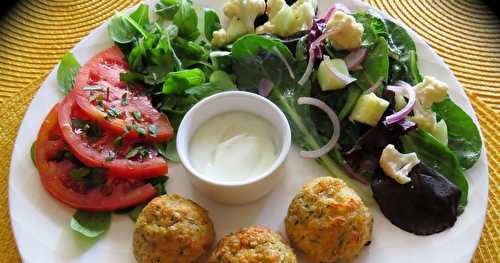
x=403 y=55
x=256 y=58
x=90 y=224
x=463 y=136
x=212 y=23
x=439 y=157
x=177 y=65
x=66 y=73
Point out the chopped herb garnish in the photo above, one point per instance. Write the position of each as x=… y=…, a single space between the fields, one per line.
x=80 y=124
x=141 y=131
x=143 y=153
x=107 y=94
x=127 y=128
x=111 y=156
x=100 y=104
x=113 y=112
x=137 y=115
x=90 y=129
x=152 y=129
x=134 y=151
x=124 y=99
x=80 y=173
x=118 y=141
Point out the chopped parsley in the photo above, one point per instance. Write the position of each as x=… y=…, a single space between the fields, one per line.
x=112 y=112
x=111 y=156
x=133 y=152
x=124 y=99
x=152 y=129
x=91 y=129
x=118 y=141
x=137 y=115
x=140 y=130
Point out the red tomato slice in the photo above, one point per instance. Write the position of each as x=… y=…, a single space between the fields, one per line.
x=100 y=93
x=113 y=194
x=102 y=151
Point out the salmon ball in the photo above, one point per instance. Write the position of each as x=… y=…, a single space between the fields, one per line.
x=172 y=229
x=254 y=244
x=328 y=221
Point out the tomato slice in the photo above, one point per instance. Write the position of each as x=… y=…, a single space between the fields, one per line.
x=55 y=174
x=100 y=93
x=102 y=150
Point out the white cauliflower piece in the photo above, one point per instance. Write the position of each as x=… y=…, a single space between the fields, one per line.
x=429 y=91
x=397 y=165
x=349 y=32
x=241 y=15
x=285 y=20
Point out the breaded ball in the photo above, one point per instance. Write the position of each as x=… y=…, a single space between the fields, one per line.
x=328 y=221
x=251 y=245
x=172 y=229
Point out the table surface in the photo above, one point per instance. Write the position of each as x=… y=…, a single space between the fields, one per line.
x=35 y=34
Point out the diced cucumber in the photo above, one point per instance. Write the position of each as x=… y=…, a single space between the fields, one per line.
x=327 y=80
x=369 y=109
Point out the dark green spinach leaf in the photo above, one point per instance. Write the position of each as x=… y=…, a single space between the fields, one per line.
x=404 y=60
x=463 y=135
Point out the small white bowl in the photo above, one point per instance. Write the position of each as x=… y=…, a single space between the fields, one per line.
x=241 y=191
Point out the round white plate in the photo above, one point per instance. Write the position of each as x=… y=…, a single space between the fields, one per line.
x=41 y=224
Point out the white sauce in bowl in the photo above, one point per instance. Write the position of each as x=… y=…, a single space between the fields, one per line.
x=234 y=146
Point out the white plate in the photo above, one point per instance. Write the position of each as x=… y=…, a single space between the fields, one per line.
x=41 y=224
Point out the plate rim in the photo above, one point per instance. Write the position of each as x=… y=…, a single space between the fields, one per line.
x=203 y=3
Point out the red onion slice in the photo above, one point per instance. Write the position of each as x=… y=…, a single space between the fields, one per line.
x=310 y=63
x=336 y=127
x=265 y=87
x=290 y=71
x=407 y=91
x=309 y=69
x=354 y=59
x=344 y=78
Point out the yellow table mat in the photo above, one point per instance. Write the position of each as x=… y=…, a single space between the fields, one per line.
x=35 y=34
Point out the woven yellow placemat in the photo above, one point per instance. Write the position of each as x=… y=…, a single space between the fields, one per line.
x=35 y=34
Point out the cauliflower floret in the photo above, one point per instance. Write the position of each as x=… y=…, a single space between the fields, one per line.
x=429 y=91
x=349 y=32
x=397 y=165
x=241 y=15
x=285 y=20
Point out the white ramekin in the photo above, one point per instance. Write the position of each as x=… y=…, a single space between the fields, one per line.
x=247 y=190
